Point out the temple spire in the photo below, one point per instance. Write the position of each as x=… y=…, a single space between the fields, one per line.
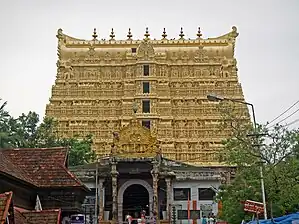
x=94 y=35
x=112 y=35
x=129 y=34
x=198 y=33
x=146 y=34
x=164 y=35
x=182 y=34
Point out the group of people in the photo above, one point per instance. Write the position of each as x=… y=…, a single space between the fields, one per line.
x=211 y=219
x=142 y=218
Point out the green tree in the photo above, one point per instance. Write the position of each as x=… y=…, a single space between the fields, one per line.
x=277 y=149
x=6 y=136
x=26 y=131
x=80 y=150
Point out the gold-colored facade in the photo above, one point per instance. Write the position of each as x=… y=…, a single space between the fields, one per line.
x=99 y=82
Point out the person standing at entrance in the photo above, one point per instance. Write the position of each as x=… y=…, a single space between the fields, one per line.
x=129 y=218
x=204 y=220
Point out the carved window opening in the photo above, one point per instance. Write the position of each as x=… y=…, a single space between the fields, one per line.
x=206 y=194
x=146 y=70
x=146 y=124
x=146 y=87
x=134 y=50
x=181 y=194
x=146 y=107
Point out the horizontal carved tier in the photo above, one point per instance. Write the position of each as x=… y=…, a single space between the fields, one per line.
x=98 y=84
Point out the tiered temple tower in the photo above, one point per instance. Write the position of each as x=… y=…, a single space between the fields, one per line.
x=166 y=81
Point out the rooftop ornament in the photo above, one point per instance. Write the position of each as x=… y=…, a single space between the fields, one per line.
x=129 y=34
x=146 y=34
x=164 y=35
x=94 y=35
x=182 y=34
x=198 y=33
x=112 y=35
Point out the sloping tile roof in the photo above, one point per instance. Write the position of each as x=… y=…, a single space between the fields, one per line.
x=7 y=167
x=19 y=217
x=40 y=217
x=44 y=167
x=5 y=200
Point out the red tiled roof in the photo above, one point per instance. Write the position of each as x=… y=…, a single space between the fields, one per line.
x=7 y=167
x=19 y=217
x=39 y=217
x=44 y=167
x=5 y=200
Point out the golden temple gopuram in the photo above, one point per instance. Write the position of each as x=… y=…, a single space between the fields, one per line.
x=166 y=81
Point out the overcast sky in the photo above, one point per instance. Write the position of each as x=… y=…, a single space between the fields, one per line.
x=267 y=48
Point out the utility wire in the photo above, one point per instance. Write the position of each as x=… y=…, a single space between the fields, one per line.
x=285 y=118
x=293 y=122
x=283 y=113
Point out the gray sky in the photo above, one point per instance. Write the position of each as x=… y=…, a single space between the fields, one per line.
x=267 y=48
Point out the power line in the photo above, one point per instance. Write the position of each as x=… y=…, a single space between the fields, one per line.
x=293 y=122
x=285 y=118
x=283 y=113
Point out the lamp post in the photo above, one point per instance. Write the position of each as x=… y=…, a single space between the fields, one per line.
x=213 y=97
x=97 y=194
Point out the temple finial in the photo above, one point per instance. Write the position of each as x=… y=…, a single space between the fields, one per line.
x=164 y=35
x=112 y=35
x=182 y=34
x=234 y=32
x=129 y=34
x=94 y=35
x=146 y=34
x=198 y=33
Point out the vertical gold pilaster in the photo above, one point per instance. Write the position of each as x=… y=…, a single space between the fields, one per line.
x=114 y=175
x=169 y=196
x=155 y=176
x=101 y=198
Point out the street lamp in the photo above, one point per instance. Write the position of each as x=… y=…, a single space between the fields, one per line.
x=214 y=97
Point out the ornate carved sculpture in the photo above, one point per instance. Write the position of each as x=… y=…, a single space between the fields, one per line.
x=101 y=199
x=99 y=79
x=155 y=174
x=145 y=51
x=135 y=141
x=201 y=54
x=169 y=196
x=114 y=175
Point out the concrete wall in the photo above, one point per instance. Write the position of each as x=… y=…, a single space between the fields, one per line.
x=194 y=185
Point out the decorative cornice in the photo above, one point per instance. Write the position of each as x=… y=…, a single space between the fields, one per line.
x=75 y=42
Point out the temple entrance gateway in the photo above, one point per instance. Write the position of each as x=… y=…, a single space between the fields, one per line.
x=134 y=188
x=135 y=200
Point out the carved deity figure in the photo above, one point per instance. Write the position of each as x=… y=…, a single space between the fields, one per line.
x=145 y=50
x=185 y=55
x=129 y=72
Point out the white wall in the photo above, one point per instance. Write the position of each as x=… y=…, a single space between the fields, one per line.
x=194 y=185
x=92 y=185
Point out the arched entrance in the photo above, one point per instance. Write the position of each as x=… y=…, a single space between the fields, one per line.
x=135 y=199
x=134 y=192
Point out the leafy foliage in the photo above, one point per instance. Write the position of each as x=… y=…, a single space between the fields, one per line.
x=26 y=132
x=276 y=150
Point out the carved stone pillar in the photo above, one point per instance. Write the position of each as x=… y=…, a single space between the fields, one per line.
x=169 y=196
x=155 y=173
x=114 y=174
x=101 y=191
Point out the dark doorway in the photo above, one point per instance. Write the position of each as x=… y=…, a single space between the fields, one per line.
x=136 y=199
